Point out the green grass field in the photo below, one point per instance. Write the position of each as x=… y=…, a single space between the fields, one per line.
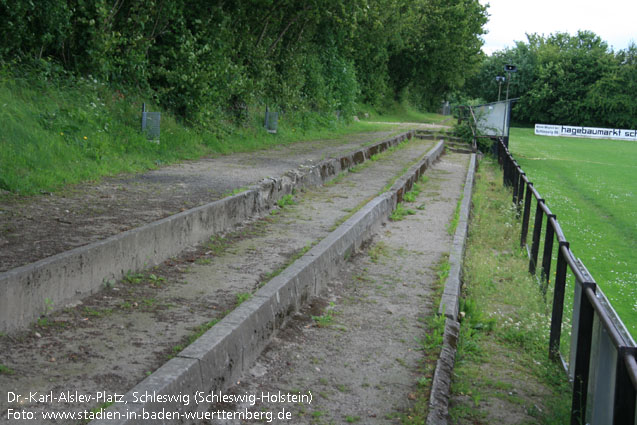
x=590 y=185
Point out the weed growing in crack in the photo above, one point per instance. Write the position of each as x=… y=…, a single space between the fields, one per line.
x=453 y=224
x=217 y=244
x=400 y=213
x=286 y=200
x=327 y=318
x=379 y=250
x=291 y=259
x=234 y=192
x=199 y=330
x=243 y=297
x=6 y=370
x=133 y=278
x=433 y=340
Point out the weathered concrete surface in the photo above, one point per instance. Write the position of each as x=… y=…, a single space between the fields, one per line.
x=441 y=382
x=54 y=282
x=451 y=295
x=449 y=305
x=230 y=347
x=357 y=347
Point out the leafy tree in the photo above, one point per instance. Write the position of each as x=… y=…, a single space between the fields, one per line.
x=565 y=79
x=212 y=60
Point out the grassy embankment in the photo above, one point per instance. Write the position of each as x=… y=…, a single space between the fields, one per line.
x=590 y=185
x=502 y=372
x=59 y=132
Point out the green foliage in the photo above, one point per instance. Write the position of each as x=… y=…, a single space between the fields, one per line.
x=505 y=322
x=564 y=79
x=286 y=200
x=400 y=212
x=5 y=370
x=74 y=74
x=243 y=297
x=208 y=61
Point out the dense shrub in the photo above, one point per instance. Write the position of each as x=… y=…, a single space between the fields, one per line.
x=210 y=61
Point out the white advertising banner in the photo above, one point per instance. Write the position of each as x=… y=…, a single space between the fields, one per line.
x=589 y=132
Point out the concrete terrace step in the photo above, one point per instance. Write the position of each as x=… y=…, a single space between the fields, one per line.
x=113 y=339
x=54 y=282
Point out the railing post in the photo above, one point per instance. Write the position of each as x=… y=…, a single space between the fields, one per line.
x=520 y=199
x=582 y=359
x=624 y=404
x=500 y=153
x=505 y=169
x=537 y=231
x=558 y=303
x=548 y=248
x=515 y=181
x=526 y=215
x=512 y=169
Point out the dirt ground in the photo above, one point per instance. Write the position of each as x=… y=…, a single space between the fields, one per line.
x=37 y=227
x=112 y=340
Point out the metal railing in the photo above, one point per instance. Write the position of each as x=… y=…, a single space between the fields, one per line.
x=602 y=364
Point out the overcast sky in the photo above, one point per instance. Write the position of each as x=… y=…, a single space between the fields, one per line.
x=615 y=21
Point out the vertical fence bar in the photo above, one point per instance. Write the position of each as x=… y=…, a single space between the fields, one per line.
x=537 y=230
x=505 y=173
x=515 y=181
x=520 y=190
x=582 y=359
x=511 y=169
x=624 y=404
x=548 y=248
x=558 y=303
x=526 y=215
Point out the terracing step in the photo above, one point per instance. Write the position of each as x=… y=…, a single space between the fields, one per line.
x=140 y=320
x=54 y=282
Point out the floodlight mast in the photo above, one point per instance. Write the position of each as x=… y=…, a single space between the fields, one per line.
x=499 y=79
x=510 y=69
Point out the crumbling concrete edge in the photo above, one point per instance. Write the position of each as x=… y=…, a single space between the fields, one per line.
x=217 y=359
x=54 y=282
x=449 y=305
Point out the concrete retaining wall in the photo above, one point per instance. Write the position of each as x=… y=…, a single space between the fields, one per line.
x=54 y=282
x=218 y=358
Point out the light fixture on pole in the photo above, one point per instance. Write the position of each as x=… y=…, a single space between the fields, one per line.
x=509 y=68
x=500 y=80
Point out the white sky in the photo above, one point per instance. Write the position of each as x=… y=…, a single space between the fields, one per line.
x=613 y=20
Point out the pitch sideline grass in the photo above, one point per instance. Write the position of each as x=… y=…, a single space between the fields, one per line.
x=590 y=185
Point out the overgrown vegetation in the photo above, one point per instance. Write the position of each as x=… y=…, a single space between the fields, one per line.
x=74 y=74
x=62 y=131
x=503 y=347
x=200 y=60
x=400 y=212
